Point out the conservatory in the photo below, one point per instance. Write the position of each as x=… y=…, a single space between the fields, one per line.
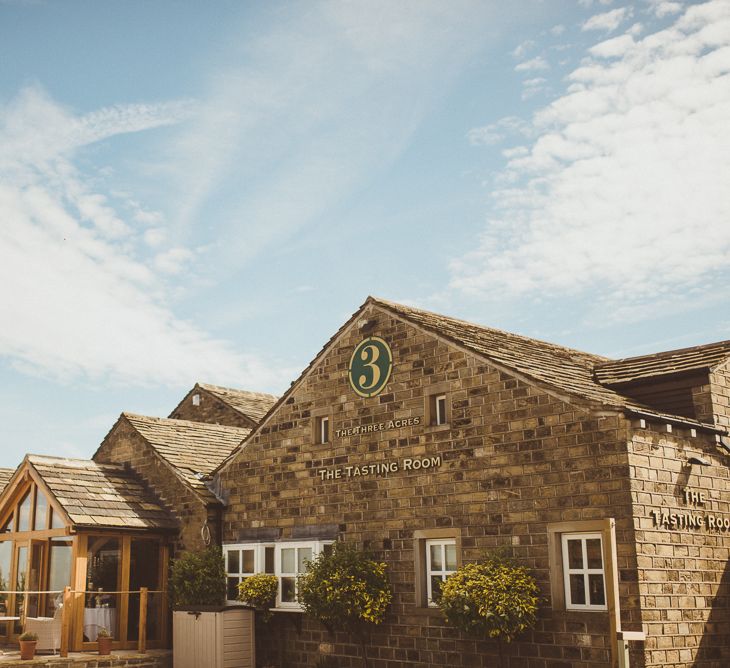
x=89 y=536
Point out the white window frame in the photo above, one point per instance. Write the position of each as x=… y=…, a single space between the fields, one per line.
x=583 y=536
x=324 y=425
x=260 y=561
x=443 y=573
x=440 y=417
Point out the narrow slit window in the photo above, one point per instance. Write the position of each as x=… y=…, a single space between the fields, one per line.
x=323 y=429
x=439 y=409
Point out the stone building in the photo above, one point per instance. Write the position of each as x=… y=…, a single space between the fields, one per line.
x=428 y=441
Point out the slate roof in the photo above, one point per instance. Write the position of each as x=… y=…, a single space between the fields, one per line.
x=101 y=495
x=671 y=362
x=253 y=405
x=5 y=475
x=563 y=369
x=193 y=449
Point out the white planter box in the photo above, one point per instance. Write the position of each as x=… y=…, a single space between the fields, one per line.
x=213 y=638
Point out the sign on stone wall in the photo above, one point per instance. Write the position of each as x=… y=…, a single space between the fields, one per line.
x=695 y=517
x=370 y=366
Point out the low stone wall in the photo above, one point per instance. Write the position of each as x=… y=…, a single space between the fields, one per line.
x=154 y=659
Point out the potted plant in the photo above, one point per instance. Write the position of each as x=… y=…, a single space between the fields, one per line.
x=104 y=639
x=198 y=590
x=27 y=642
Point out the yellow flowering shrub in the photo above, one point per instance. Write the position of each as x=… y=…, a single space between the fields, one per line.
x=494 y=598
x=344 y=589
x=259 y=591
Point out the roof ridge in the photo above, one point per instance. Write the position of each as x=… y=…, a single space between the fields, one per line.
x=668 y=353
x=198 y=425
x=401 y=308
x=254 y=393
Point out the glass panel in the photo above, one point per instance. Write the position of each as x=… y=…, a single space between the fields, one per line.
x=451 y=557
x=20 y=584
x=268 y=560
x=595 y=588
x=103 y=575
x=6 y=555
x=287 y=560
x=234 y=562
x=232 y=589
x=144 y=571
x=437 y=563
x=441 y=410
x=59 y=572
x=593 y=552
x=24 y=513
x=248 y=561
x=288 y=590
x=35 y=582
x=41 y=511
x=56 y=520
x=577 y=590
x=436 y=582
x=575 y=553
x=304 y=554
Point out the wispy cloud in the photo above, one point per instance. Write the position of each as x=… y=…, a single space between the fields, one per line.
x=83 y=295
x=623 y=191
x=607 y=21
x=537 y=63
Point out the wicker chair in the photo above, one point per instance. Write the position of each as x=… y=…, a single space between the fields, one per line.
x=48 y=630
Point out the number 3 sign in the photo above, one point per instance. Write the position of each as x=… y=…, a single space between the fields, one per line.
x=370 y=366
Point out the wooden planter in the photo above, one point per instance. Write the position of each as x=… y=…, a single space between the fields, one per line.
x=27 y=649
x=105 y=645
x=220 y=637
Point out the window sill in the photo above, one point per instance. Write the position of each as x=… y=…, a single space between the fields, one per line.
x=437 y=427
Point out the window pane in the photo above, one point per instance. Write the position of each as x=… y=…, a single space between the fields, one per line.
x=24 y=514
x=248 y=561
x=6 y=552
x=268 y=560
x=437 y=563
x=288 y=590
x=21 y=585
x=287 y=560
x=233 y=561
x=103 y=575
x=441 y=410
x=232 y=589
x=59 y=572
x=41 y=511
x=56 y=521
x=305 y=554
x=577 y=590
x=436 y=582
x=451 y=557
x=575 y=553
x=593 y=551
x=595 y=588
x=8 y=526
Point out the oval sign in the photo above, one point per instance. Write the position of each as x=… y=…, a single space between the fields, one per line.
x=370 y=366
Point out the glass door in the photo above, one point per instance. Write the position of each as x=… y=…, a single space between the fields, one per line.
x=20 y=577
x=36 y=579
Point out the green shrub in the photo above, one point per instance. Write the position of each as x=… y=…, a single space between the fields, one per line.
x=345 y=590
x=259 y=591
x=494 y=598
x=198 y=579
x=28 y=636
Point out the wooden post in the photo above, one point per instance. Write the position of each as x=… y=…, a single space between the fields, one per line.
x=66 y=613
x=142 y=648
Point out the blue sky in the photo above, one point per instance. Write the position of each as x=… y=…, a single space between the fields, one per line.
x=207 y=190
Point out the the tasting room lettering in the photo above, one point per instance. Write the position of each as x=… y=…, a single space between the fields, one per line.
x=696 y=516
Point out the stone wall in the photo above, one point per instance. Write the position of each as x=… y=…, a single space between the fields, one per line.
x=720 y=384
x=514 y=459
x=684 y=579
x=153 y=659
x=124 y=445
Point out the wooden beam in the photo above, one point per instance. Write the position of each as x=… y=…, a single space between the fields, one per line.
x=142 y=644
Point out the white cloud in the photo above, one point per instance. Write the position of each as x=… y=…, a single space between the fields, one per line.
x=80 y=296
x=608 y=21
x=495 y=132
x=522 y=49
x=557 y=30
x=623 y=194
x=537 y=63
x=662 y=8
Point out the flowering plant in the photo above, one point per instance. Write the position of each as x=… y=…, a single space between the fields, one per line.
x=345 y=590
x=259 y=591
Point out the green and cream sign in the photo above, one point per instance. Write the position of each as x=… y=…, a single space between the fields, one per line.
x=370 y=366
